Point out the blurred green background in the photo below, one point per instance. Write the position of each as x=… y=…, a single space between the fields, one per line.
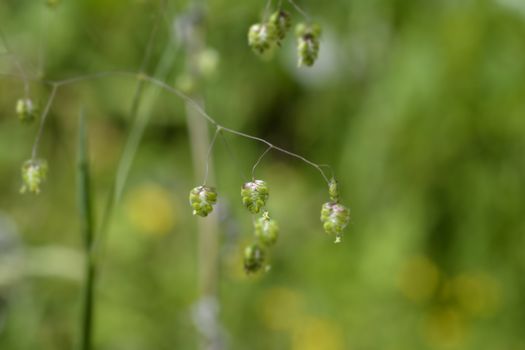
x=419 y=106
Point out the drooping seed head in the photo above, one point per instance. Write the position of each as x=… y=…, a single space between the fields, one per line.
x=307 y=43
x=335 y=217
x=266 y=230
x=254 y=195
x=202 y=200
x=282 y=22
x=26 y=110
x=262 y=38
x=254 y=256
x=308 y=50
x=34 y=173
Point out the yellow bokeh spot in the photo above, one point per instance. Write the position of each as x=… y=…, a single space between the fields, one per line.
x=445 y=327
x=418 y=279
x=150 y=209
x=477 y=294
x=316 y=333
x=281 y=308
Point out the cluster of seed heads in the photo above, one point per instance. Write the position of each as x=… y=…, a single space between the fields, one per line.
x=265 y=37
x=254 y=196
x=34 y=171
x=266 y=234
x=334 y=216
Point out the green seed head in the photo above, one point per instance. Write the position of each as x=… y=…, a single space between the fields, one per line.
x=34 y=174
x=254 y=195
x=262 y=38
x=282 y=23
x=307 y=43
x=335 y=217
x=308 y=49
x=266 y=230
x=253 y=258
x=26 y=110
x=202 y=200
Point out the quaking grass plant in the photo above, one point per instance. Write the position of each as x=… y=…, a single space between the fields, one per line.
x=264 y=38
x=267 y=36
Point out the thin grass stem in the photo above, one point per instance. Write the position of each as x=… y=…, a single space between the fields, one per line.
x=87 y=222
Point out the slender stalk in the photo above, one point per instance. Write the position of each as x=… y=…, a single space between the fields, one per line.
x=86 y=214
x=43 y=119
x=300 y=10
x=259 y=160
x=190 y=102
x=208 y=160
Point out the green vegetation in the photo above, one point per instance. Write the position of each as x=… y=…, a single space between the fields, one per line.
x=418 y=107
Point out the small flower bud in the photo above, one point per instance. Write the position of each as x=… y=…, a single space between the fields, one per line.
x=262 y=38
x=202 y=200
x=254 y=195
x=307 y=44
x=26 y=110
x=266 y=230
x=335 y=217
x=253 y=258
x=282 y=22
x=34 y=174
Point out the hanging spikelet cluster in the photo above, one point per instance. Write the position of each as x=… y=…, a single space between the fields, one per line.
x=34 y=173
x=307 y=43
x=334 y=216
x=254 y=195
x=26 y=110
x=268 y=35
x=202 y=200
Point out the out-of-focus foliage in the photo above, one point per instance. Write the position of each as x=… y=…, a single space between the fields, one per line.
x=418 y=105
